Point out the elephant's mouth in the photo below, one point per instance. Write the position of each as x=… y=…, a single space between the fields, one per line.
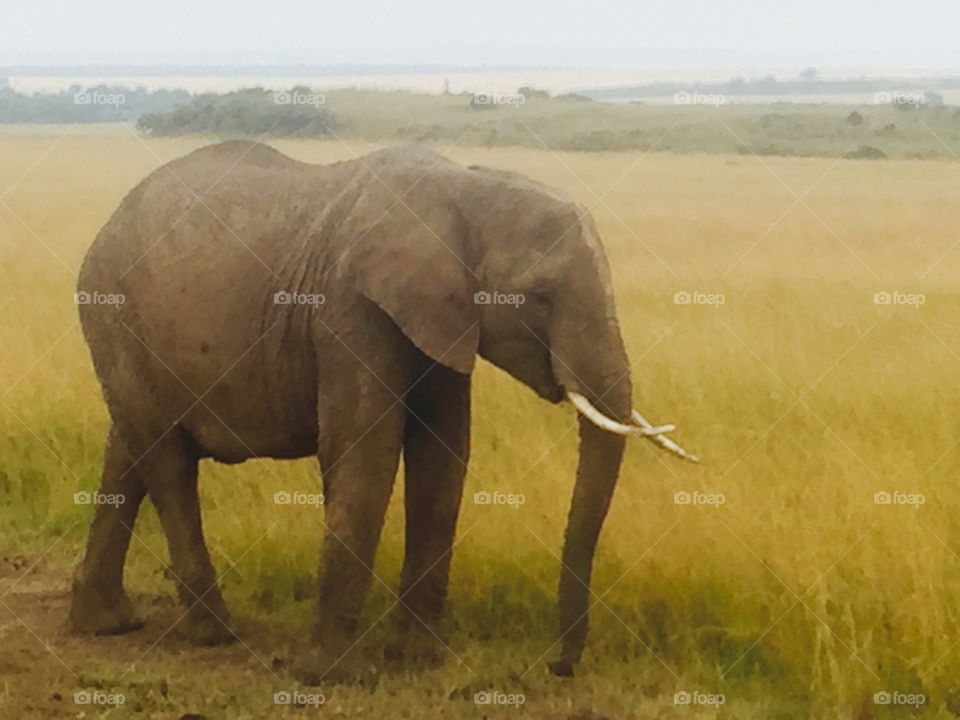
x=556 y=394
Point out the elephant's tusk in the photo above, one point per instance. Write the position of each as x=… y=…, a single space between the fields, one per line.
x=605 y=423
x=662 y=440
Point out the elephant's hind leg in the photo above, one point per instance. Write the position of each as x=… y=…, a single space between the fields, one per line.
x=171 y=481
x=99 y=603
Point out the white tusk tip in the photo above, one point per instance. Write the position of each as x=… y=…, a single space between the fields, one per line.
x=650 y=432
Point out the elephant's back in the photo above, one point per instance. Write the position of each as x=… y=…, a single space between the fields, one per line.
x=199 y=206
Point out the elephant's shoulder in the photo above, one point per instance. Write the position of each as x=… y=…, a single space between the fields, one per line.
x=519 y=181
x=546 y=195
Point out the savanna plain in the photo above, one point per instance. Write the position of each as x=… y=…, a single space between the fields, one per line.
x=796 y=318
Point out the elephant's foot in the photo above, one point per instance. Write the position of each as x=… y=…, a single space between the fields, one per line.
x=93 y=614
x=561 y=668
x=321 y=665
x=414 y=646
x=208 y=624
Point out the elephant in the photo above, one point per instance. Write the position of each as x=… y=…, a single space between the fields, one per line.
x=271 y=308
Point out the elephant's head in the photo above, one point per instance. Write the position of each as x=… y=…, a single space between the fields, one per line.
x=478 y=261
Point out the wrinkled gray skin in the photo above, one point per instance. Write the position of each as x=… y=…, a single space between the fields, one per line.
x=200 y=362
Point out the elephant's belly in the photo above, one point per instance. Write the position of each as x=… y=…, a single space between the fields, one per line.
x=232 y=436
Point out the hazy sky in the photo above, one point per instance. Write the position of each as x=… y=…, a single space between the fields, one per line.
x=590 y=33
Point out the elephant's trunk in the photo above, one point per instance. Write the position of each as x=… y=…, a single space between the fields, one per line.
x=598 y=369
x=600 y=456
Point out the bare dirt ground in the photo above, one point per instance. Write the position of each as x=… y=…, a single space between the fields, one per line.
x=46 y=671
x=49 y=672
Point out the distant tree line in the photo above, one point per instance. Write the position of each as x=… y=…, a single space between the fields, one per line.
x=77 y=104
x=253 y=111
x=896 y=124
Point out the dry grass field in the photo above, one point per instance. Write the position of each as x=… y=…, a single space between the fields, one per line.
x=802 y=594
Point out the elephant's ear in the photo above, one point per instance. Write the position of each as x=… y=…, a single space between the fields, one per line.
x=412 y=265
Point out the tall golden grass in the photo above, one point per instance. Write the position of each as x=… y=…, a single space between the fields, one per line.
x=802 y=394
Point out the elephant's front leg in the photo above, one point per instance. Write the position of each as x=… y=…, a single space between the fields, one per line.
x=359 y=459
x=436 y=452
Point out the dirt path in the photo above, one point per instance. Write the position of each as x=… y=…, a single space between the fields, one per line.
x=46 y=671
